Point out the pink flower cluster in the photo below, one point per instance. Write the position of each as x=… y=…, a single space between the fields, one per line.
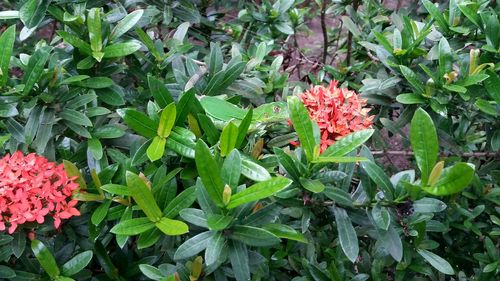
x=32 y=188
x=337 y=111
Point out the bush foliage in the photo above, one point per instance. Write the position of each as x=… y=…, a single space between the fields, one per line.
x=202 y=142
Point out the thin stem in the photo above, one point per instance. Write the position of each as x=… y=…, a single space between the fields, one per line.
x=355 y=5
x=443 y=154
x=323 y=29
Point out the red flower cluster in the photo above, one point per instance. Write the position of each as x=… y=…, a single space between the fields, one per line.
x=338 y=112
x=32 y=188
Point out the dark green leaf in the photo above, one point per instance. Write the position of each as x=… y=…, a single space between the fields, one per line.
x=259 y=191
x=424 y=141
x=436 y=261
x=193 y=245
x=6 y=46
x=143 y=196
x=254 y=236
x=77 y=263
x=303 y=126
x=380 y=178
x=347 y=234
x=125 y=24
x=209 y=172
x=33 y=12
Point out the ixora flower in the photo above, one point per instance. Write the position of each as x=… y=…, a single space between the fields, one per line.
x=337 y=111
x=32 y=188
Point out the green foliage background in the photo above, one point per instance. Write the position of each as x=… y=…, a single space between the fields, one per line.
x=174 y=115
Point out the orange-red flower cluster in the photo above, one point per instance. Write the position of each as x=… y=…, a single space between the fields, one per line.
x=337 y=111
x=32 y=188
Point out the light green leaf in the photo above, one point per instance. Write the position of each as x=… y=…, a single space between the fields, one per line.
x=172 y=227
x=95 y=35
x=143 y=196
x=453 y=180
x=314 y=186
x=167 y=120
x=259 y=191
x=228 y=138
x=156 y=148
x=132 y=227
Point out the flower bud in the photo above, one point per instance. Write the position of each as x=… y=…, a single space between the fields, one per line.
x=226 y=194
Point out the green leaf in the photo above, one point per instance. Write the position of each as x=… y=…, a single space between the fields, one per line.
x=314 y=186
x=33 y=12
x=116 y=189
x=100 y=213
x=348 y=143
x=252 y=170
x=76 y=42
x=45 y=258
x=258 y=191
x=209 y=172
x=132 y=227
x=8 y=110
x=437 y=15
x=218 y=222
x=95 y=35
x=172 y=227
x=347 y=234
x=140 y=123
x=382 y=217
x=167 y=121
x=243 y=128
x=151 y=272
x=287 y=163
x=231 y=169
x=228 y=138
x=75 y=117
x=214 y=248
x=487 y=107
x=125 y=24
x=351 y=26
x=453 y=180
x=160 y=93
x=303 y=126
x=35 y=68
x=428 y=205
x=221 y=109
x=214 y=84
x=95 y=147
x=424 y=141
x=339 y=159
x=181 y=145
x=143 y=196
x=410 y=99
x=254 y=236
x=7 y=15
x=379 y=178
x=211 y=132
x=73 y=171
x=108 y=131
x=238 y=256
x=412 y=79
x=193 y=245
x=340 y=196
x=7 y=272
x=186 y=102
x=215 y=60
x=391 y=241
x=7 y=40
x=285 y=231
x=436 y=261
x=445 y=56
x=146 y=40
x=184 y=200
x=96 y=83
x=77 y=263
x=121 y=49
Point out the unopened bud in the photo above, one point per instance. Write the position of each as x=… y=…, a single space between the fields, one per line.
x=226 y=194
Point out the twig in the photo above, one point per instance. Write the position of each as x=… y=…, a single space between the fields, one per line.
x=443 y=154
x=323 y=29
x=355 y=5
